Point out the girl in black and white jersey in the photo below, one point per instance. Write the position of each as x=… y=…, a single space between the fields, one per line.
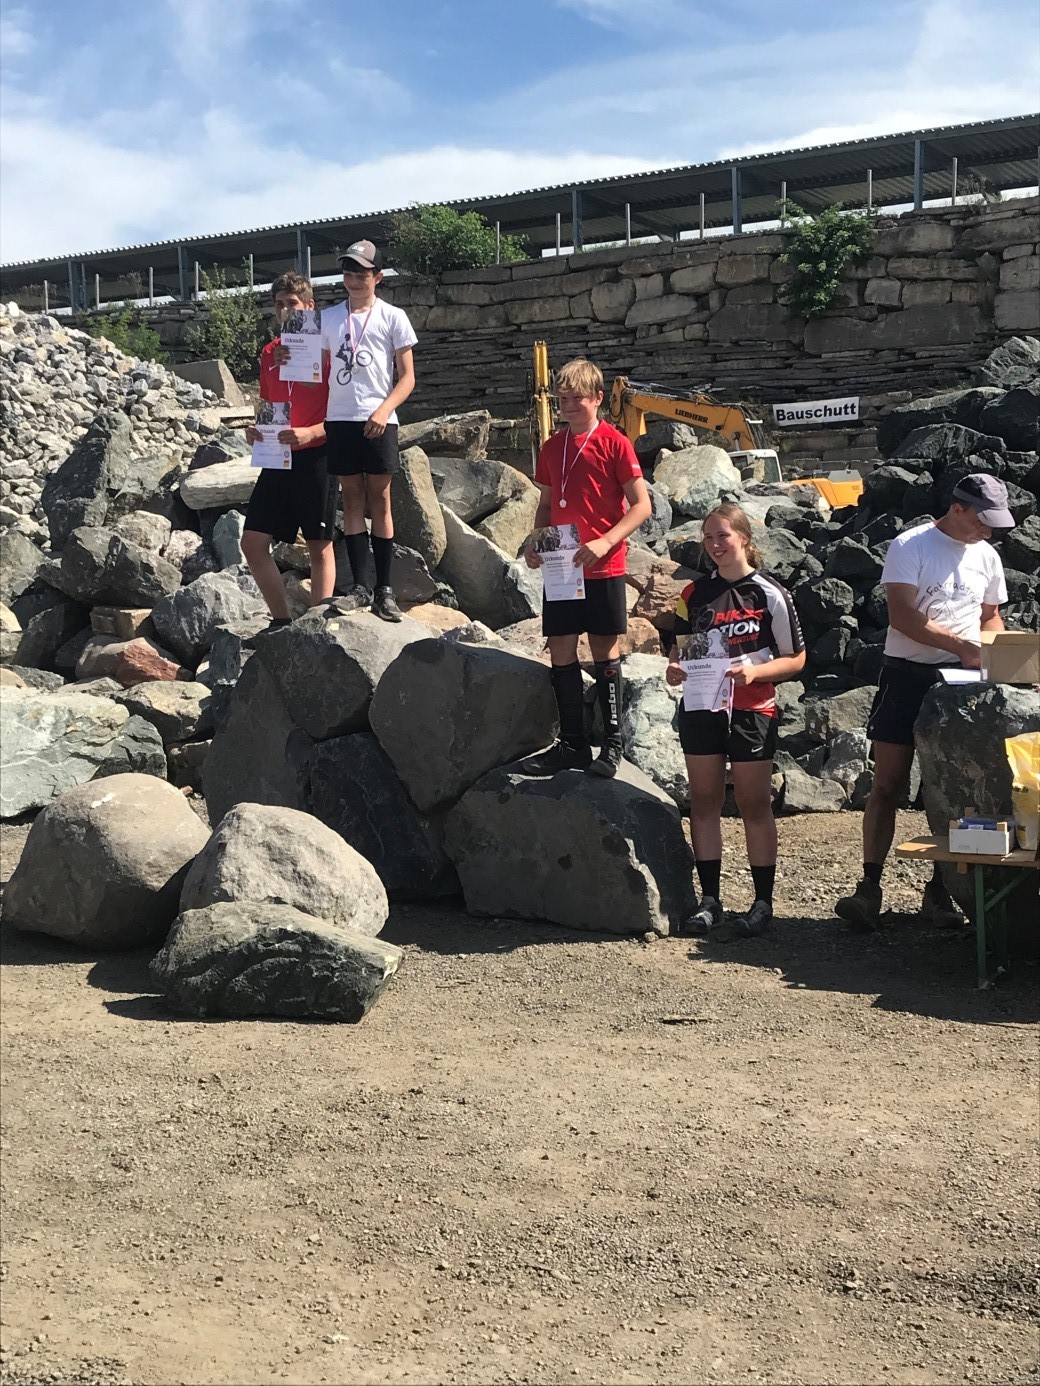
x=741 y=614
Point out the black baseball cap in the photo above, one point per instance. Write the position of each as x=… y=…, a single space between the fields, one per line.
x=362 y=253
x=988 y=497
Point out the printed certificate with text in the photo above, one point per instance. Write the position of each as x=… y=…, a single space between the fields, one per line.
x=271 y=419
x=301 y=334
x=562 y=578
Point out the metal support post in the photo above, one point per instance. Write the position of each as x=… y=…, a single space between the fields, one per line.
x=151 y=286
x=46 y=297
x=308 y=275
x=498 y=242
x=301 y=250
x=97 y=291
x=197 y=280
x=870 y=189
x=577 y=237
x=953 y=182
x=182 y=274
x=72 y=287
x=736 y=199
x=251 y=272
x=918 y=175
x=700 y=233
x=558 y=233
x=783 y=203
x=628 y=223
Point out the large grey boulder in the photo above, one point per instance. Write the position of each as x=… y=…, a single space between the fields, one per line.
x=50 y=742
x=509 y=525
x=694 y=480
x=188 y=620
x=150 y=485
x=650 y=726
x=245 y=959
x=77 y=493
x=1016 y=417
x=264 y=853
x=99 y=567
x=137 y=750
x=826 y=718
x=259 y=755
x=490 y=585
x=103 y=865
x=588 y=853
x=178 y=711
x=327 y=669
x=147 y=531
x=418 y=522
x=226 y=539
x=44 y=634
x=231 y=650
x=220 y=486
x=354 y=789
x=20 y=561
x=804 y=793
x=449 y=435
x=960 y=734
x=1014 y=362
x=474 y=490
x=447 y=711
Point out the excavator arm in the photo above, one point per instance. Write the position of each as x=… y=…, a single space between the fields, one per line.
x=630 y=403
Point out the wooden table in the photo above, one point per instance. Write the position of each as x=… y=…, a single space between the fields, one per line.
x=987 y=899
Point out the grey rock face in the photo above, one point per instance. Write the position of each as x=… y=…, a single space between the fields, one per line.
x=781 y=552
x=103 y=865
x=147 y=531
x=188 y=620
x=604 y=855
x=474 y=490
x=946 y=442
x=45 y=633
x=446 y=712
x=150 y=485
x=1016 y=418
x=77 y=493
x=221 y=485
x=651 y=727
x=449 y=435
x=803 y=793
x=826 y=718
x=265 y=853
x=137 y=749
x=100 y=567
x=228 y=656
x=258 y=755
x=824 y=601
x=490 y=585
x=1015 y=362
x=19 y=561
x=354 y=789
x=960 y=734
x=226 y=541
x=652 y=531
x=327 y=670
x=1020 y=548
x=418 y=522
x=245 y=959
x=695 y=479
x=178 y=711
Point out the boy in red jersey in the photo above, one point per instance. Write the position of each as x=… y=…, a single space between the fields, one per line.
x=283 y=503
x=589 y=477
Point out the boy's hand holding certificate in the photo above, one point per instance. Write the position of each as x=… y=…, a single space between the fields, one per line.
x=301 y=336
x=556 y=546
x=271 y=419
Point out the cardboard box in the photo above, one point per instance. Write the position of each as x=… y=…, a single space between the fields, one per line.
x=996 y=839
x=1011 y=656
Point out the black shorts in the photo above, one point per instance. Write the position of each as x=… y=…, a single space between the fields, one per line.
x=284 y=503
x=602 y=611
x=352 y=454
x=740 y=736
x=901 y=690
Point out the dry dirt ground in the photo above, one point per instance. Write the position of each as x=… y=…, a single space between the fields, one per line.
x=544 y=1157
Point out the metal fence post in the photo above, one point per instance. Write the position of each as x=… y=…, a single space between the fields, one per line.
x=736 y=199
x=559 y=233
x=97 y=291
x=309 y=262
x=628 y=223
x=953 y=182
x=151 y=286
x=783 y=203
x=870 y=189
x=251 y=284
x=46 y=298
x=918 y=175
x=498 y=242
x=197 y=279
x=700 y=233
x=576 y=231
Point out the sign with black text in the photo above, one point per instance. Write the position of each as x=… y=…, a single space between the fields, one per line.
x=811 y=413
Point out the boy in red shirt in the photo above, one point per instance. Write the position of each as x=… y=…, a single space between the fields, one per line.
x=589 y=476
x=283 y=503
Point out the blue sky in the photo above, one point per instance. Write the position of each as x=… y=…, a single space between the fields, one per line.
x=140 y=120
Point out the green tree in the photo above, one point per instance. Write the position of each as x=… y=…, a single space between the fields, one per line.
x=428 y=239
x=819 y=249
x=233 y=329
x=127 y=331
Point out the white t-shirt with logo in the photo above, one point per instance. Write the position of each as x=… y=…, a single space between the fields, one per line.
x=953 y=581
x=362 y=369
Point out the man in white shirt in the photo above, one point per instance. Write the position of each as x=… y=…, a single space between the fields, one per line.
x=944 y=585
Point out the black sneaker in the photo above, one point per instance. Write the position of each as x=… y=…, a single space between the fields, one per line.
x=861 y=909
x=560 y=756
x=609 y=759
x=706 y=917
x=750 y=924
x=357 y=599
x=384 y=605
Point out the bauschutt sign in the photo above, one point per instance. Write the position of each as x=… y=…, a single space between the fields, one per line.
x=817 y=411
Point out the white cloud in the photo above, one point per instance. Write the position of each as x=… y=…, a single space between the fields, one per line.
x=16 y=36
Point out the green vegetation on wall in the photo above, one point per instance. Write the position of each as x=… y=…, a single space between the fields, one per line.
x=429 y=239
x=234 y=327
x=819 y=249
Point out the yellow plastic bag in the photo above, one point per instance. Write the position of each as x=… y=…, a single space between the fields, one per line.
x=1023 y=753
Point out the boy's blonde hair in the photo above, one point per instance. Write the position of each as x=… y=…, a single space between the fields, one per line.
x=581 y=376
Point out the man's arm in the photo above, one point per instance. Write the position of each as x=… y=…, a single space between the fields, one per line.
x=541 y=519
x=639 y=511
x=991 y=617
x=405 y=363
x=904 y=617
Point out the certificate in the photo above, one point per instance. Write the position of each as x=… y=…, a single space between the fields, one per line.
x=706 y=687
x=301 y=335
x=562 y=578
x=271 y=419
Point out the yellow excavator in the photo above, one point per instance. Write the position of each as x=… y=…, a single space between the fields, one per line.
x=630 y=403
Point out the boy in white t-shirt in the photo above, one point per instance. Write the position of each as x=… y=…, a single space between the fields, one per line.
x=944 y=584
x=369 y=341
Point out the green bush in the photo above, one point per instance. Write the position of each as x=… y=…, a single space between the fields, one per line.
x=820 y=249
x=234 y=327
x=429 y=239
x=128 y=332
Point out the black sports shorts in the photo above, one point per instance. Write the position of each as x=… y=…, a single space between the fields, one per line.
x=739 y=736
x=901 y=690
x=284 y=503
x=352 y=454
x=602 y=611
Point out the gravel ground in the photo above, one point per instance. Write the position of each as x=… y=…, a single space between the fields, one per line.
x=544 y=1157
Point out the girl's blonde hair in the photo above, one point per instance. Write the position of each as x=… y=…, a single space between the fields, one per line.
x=738 y=521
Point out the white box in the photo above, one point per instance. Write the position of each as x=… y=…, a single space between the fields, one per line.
x=982 y=842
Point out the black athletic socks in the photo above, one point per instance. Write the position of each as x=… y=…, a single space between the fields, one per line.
x=872 y=871
x=358 y=550
x=383 y=554
x=566 y=680
x=709 y=873
x=609 y=689
x=764 y=879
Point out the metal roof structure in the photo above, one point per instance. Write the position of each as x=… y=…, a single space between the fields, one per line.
x=885 y=171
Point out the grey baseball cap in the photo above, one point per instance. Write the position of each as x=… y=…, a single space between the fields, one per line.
x=988 y=497
x=362 y=253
